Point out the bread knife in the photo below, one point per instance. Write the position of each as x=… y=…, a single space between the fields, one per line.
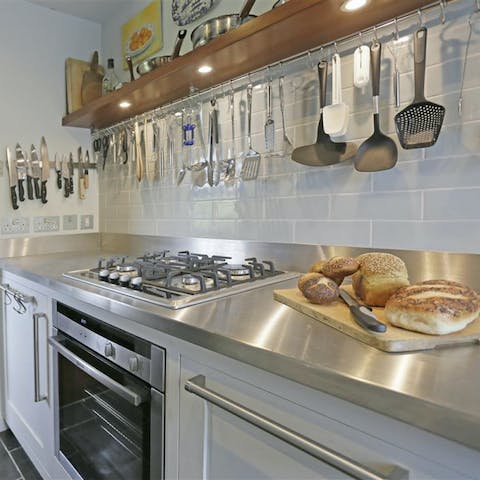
x=362 y=314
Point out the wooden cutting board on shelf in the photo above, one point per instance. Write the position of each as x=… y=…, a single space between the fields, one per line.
x=74 y=72
x=338 y=316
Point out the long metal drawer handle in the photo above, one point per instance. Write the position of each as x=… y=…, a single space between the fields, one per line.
x=132 y=397
x=36 y=360
x=196 y=386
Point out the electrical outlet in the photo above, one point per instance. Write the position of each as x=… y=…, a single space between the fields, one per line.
x=15 y=225
x=70 y=222
x=46 y=224
x=86 y=222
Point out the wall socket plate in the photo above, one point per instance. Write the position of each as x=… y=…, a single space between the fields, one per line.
x=16 y=225
x=70 y=222
x=86 y=222
x=46 y=224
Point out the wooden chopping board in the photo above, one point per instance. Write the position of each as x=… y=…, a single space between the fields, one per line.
x=338 y=316
x=74 y=71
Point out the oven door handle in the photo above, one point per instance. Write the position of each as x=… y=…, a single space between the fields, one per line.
x=129 y=395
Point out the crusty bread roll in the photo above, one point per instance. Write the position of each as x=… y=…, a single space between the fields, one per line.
x=317 y=266
x=436 y=307
x=337 y=268
x=380 y=275
x=318 y=289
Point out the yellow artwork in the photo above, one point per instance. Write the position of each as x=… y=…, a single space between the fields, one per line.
x=142 y=34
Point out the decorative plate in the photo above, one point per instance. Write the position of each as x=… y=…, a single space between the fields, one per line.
x=187 y=11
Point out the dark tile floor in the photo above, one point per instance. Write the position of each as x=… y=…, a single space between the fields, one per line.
x=14 y=463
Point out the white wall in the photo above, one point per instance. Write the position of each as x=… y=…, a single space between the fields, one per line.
x=428 y=201
x=35 y=43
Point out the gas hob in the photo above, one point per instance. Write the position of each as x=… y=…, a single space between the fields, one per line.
x=179 y=280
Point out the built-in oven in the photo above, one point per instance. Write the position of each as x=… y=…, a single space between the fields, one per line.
x=109 y=400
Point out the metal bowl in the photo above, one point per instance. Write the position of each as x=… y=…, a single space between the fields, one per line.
x=215 y=27
x=152 y=63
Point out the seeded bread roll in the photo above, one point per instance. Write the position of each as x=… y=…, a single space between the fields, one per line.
x=337 y=268
x=379 y=277
x=317 y=266
x=318 y=289
x=436 y=307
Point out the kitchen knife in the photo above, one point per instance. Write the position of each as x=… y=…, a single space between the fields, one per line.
x=28 y=163
x=86 y=180
x=81 y=175
x=21 y=171
x=66 y=181
x=36 y=170
x=58 y=170
x=12 y=178
x=70 y=173
x=45 y=169
x=362 y=315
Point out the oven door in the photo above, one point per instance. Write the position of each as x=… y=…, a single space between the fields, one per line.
x=104 y=416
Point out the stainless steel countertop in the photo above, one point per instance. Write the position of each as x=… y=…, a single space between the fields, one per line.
x=438 y=390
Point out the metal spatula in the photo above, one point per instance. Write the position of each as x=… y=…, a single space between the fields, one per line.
x=251 y=162
x=419 y=124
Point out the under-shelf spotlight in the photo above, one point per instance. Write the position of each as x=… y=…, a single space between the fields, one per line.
x=205 y=69
x=124 y=104
x=352 y=5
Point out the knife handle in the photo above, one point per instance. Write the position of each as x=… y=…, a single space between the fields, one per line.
x=66 y=187
x=86 y=180
x=21 y=190
x=13 y=196
x=29 y=187
x=43 y=192
x=37 y=188
x=366 y=319
x=59 y=179
x=81 y=188
x=70 y=181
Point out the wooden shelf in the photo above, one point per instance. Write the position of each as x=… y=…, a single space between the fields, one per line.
x=293 y=28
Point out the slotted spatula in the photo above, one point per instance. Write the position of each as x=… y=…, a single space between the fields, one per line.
x=419 y=124
x=377 y=152
x=251 y=162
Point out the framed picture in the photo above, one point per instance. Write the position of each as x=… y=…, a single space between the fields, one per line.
x=142 y=34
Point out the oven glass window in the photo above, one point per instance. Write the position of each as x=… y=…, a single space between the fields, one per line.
x=102 y=435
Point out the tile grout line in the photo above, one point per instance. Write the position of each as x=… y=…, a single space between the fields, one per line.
x=12 y=459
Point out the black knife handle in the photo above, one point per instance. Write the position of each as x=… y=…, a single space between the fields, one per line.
x=66 y=187
x=29 y=187
x=366 y=319
x=59 y=179
x=13 y=196
x=36 y=187
x=43 y=192
x=21 y=191
x=70 y=181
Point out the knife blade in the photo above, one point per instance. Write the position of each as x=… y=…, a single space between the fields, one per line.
x=81 y=175
x=21 y=171
x=362 y=315
x=13 y=178
x=36 y=170
x=70 y=172
x=58 y=170
x=29 y=168
x=45 y=169
x=65 y=175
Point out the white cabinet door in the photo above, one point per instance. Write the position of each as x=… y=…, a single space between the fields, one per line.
x=215 y=443
x=28 y=409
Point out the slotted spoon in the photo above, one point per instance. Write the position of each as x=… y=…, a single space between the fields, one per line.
x=251 y=162
x=419 y=124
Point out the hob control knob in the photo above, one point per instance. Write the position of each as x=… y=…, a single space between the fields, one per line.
x=133 y=364
x=103 y=275
x=109 y=351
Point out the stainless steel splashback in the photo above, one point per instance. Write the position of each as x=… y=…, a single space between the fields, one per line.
x=297 y=257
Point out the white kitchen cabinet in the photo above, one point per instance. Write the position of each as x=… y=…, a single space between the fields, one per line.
x=27 y=374
x=216 y=444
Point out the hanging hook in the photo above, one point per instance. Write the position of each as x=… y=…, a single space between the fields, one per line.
x=375 y=37
x=280 y=67
x=360 y=43
x=443 y=8
x=420 y=17
x=397 y=33
x=335 y=47
x=309 y=59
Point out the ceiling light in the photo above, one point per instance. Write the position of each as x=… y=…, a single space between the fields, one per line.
x=124 y=104
x=352 y=5
x=205 y=69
